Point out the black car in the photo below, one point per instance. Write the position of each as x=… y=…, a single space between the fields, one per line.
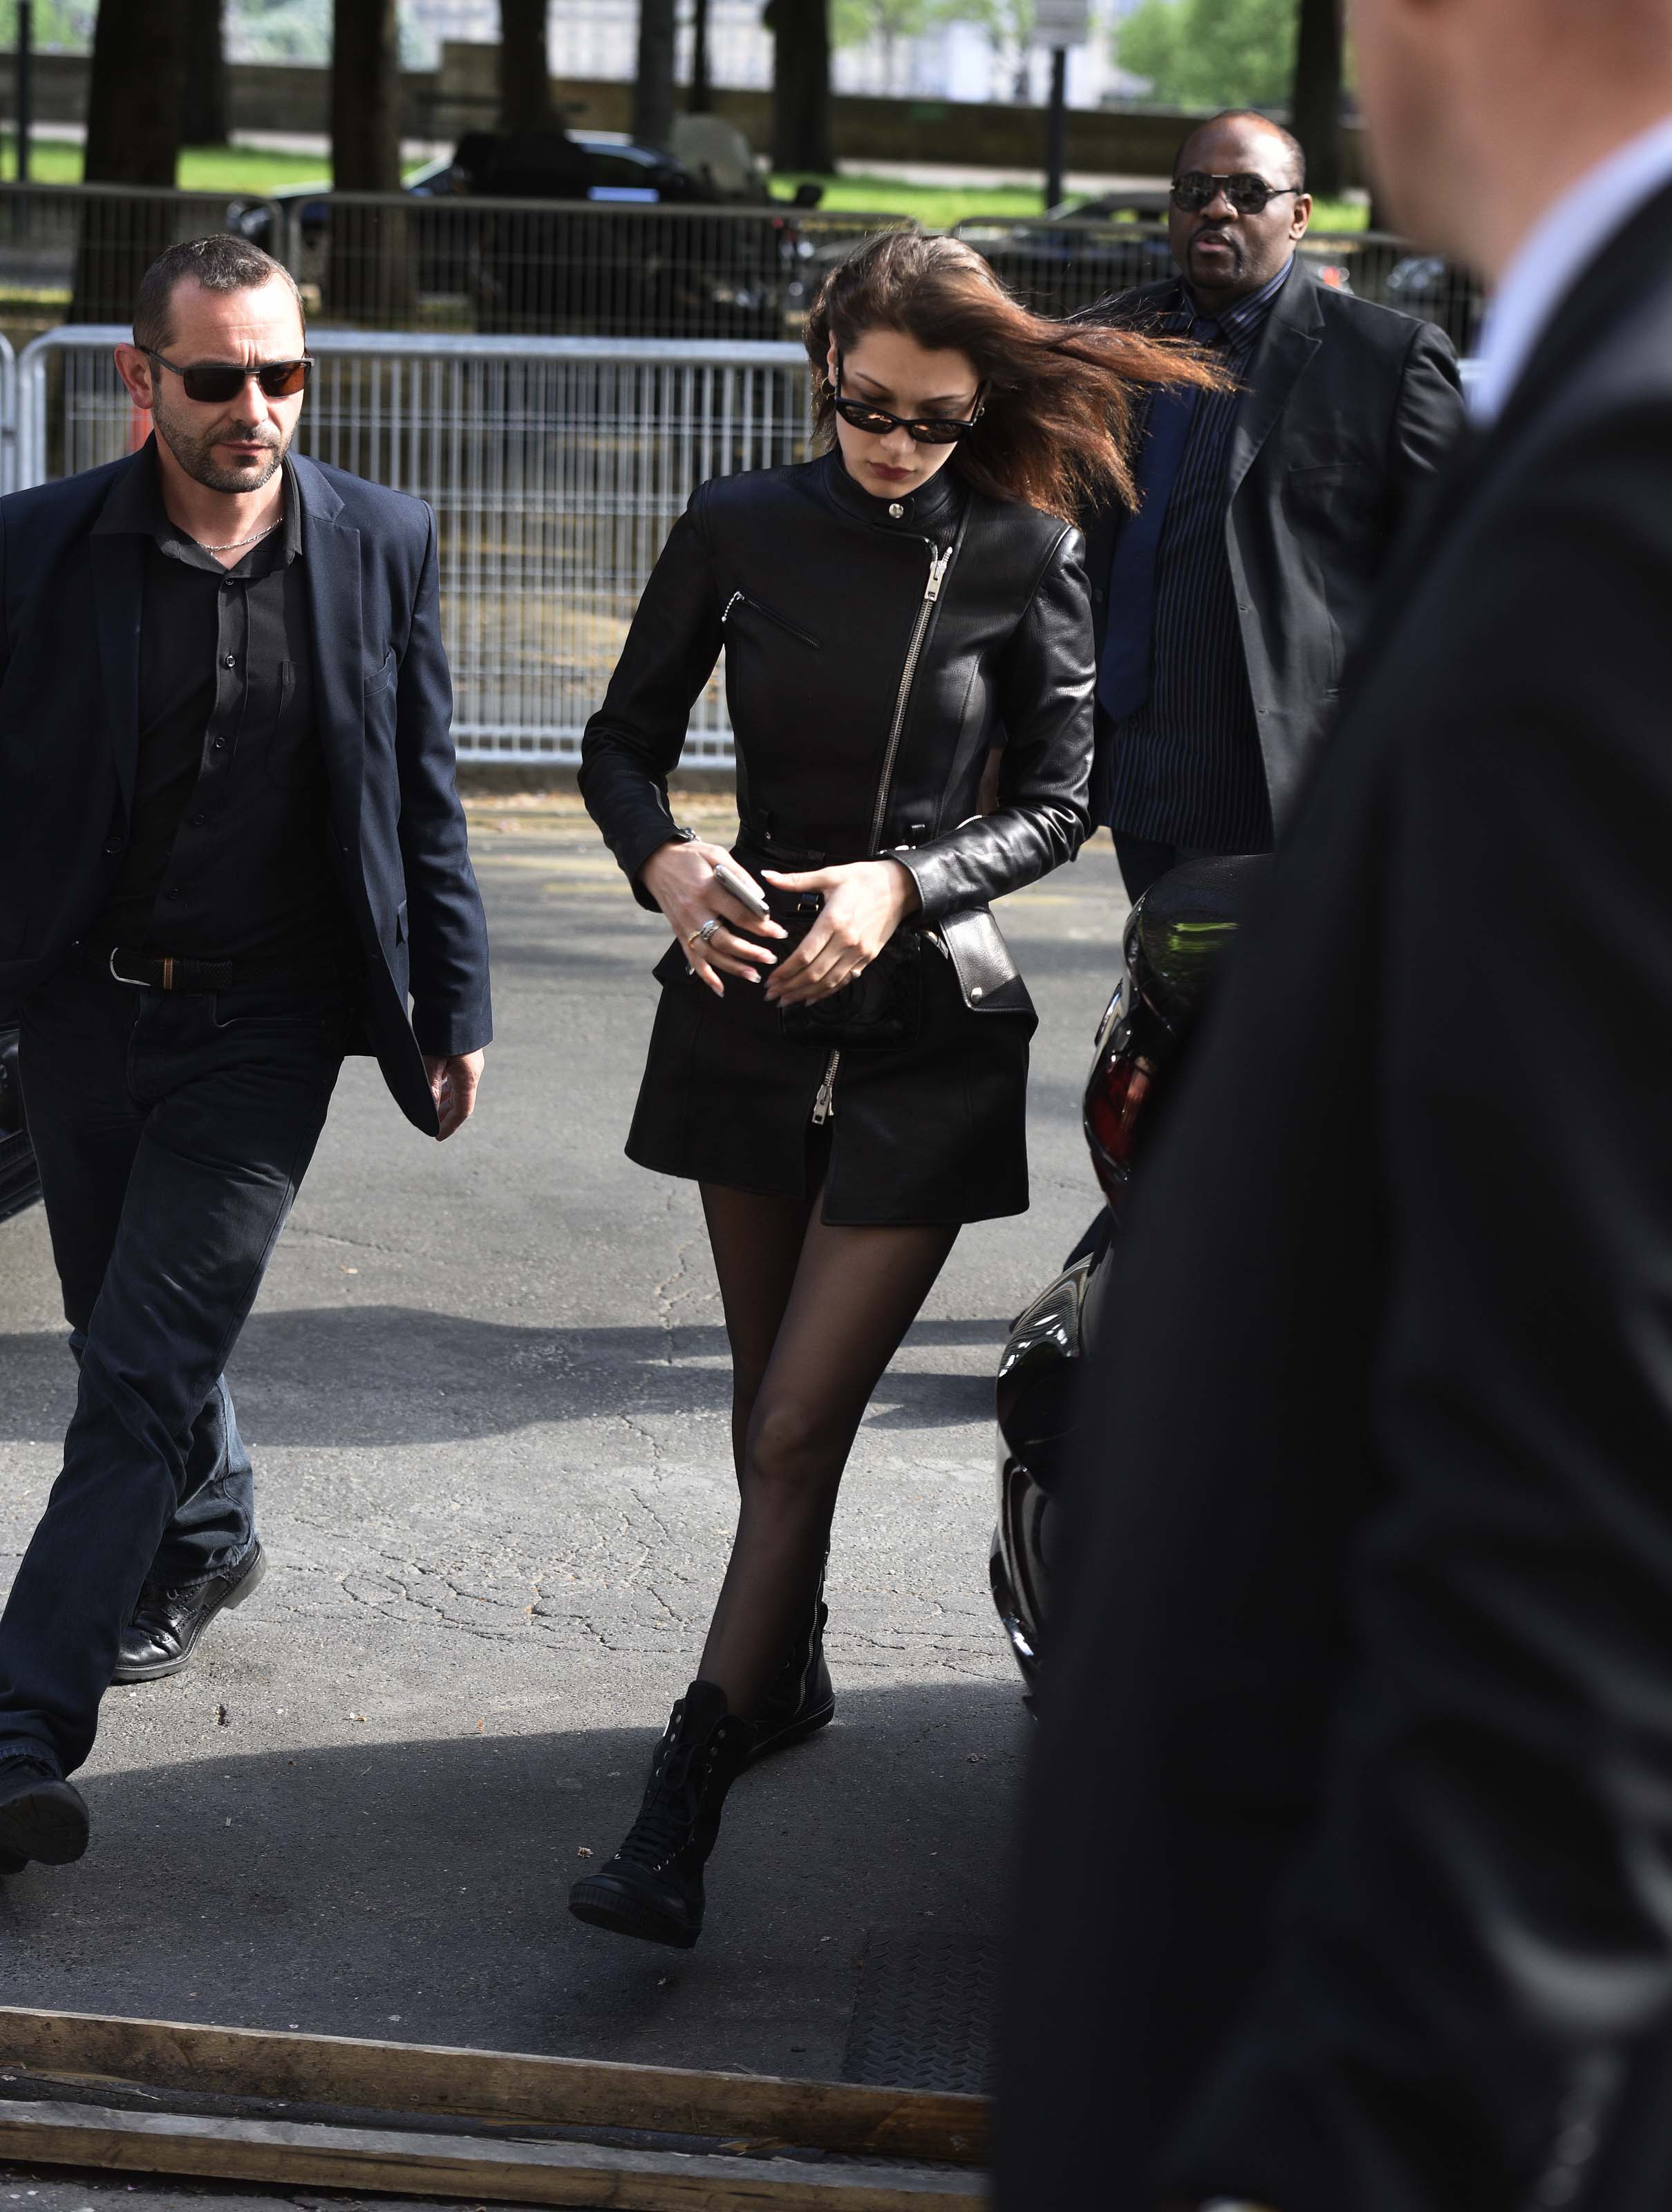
x=563 y=258
x=1178 y=935
x=20 y=1185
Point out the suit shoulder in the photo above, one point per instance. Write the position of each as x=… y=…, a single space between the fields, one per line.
x=65 y=501
x=1388 y=332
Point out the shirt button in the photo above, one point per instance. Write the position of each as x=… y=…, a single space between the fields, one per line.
x=219 y=745
x=199 y=820
x=176 y=892
x=114 y=846
x=232 y=660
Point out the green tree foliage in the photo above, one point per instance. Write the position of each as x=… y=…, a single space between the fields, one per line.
x=1212 y=53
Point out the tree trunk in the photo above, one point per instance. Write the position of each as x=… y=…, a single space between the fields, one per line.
x=208 y=119
x=1316 y=106
x=802 y=137
x=369 y=277
x=136 y=99
x=525 y=67
x=652 y=94
x=700 y=100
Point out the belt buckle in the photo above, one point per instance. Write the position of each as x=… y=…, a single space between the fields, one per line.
x=135 y=982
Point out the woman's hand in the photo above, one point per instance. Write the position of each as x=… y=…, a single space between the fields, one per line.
x=865 y=903
x=680 y=877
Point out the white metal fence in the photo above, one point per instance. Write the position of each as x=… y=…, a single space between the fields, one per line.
x=8 y=417
x=555 y=468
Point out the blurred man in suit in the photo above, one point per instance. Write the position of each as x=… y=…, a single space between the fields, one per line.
x=231 y=850
x=1349 y=1863
x=1225 y=607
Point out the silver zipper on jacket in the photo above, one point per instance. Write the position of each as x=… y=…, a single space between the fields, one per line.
x=938 y=563
x=824 y=1104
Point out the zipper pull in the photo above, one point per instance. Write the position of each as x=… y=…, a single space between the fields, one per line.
x=825 y=1105
x=937 y=569
x=730 y=603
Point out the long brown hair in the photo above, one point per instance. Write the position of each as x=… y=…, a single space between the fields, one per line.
x=1058 y=428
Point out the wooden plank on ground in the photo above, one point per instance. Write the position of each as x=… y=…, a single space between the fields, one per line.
x=301 y=2155
x=495 y=2084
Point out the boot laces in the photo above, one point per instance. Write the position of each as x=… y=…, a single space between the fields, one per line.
x=670 y=1807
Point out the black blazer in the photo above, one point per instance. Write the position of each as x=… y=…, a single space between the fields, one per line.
x=1349 y=1867
x=1350 y=410
x=69 y=611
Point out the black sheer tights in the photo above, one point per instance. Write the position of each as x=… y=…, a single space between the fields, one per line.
x=814 y=1313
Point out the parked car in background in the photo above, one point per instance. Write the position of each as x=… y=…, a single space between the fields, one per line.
x=562 y=260
x=1175 y=940
x=20 y=1184
x=1424 y=284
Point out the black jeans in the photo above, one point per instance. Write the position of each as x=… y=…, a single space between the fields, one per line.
x=173 y=1130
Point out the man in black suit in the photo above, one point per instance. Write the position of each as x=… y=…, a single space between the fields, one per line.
x=1349 y=1860
x=1223 y=607
x=230 y=848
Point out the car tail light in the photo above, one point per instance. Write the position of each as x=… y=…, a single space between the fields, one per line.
x=1114 y=1108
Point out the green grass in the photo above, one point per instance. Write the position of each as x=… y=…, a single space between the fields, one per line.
x=937 y=207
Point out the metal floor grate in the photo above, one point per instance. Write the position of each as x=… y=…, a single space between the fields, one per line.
x=922 y=2018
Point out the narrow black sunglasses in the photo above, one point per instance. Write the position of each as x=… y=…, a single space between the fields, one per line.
x=214 y=382
x=926 y=430
x=1247 y=193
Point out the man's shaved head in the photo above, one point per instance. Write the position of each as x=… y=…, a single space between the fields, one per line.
x=1290 y=162
x=1480 y=113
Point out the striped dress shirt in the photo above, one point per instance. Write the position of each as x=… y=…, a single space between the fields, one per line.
x=1187 y=769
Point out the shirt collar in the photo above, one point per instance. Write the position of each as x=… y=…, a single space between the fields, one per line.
x=1560 y=246
x=1245 y=315
x=135 y=505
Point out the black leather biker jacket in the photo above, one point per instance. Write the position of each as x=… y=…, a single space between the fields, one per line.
x=874 y=650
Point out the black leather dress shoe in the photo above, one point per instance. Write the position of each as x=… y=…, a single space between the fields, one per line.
x=41 y=1817
x=168 y=1623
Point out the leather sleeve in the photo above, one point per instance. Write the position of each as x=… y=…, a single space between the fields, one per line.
x=1428 y=419
x=1483 y=1927
x=446 y=929
x=1045 y=676
x=634 y=741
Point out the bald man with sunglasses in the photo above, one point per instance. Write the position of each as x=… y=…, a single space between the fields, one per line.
x=231 y=850
x=1225 y=605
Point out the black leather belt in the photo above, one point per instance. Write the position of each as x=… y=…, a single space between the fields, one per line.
x=152 y=971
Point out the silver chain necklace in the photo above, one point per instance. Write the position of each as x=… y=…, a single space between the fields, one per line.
x=232 y=544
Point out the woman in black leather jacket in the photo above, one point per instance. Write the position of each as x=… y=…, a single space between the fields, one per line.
x=847 y=1078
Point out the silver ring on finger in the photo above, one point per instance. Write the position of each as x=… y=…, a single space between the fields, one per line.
x=702 y=936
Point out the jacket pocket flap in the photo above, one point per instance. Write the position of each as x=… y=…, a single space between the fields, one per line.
x=981 y=962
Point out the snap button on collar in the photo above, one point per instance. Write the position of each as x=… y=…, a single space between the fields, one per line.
x=895 y=510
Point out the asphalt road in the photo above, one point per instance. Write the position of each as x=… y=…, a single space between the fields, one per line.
x=485 y=1388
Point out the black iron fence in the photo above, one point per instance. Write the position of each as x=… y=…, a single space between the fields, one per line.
x=533 y=268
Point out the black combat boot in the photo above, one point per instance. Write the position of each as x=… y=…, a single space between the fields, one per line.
x=653 y=1886
x=801 y=1700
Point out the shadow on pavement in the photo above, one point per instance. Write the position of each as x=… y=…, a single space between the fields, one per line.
x=413 y=1376
x=416 y=1890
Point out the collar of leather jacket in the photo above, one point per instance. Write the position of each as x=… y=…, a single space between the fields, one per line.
x=936 y=501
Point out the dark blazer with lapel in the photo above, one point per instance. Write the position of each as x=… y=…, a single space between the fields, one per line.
x=70 y=615
x=1349 y=1872
x=1350 y=410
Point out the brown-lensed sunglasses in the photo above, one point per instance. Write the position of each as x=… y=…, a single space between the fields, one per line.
x=923 y=429
x=214 y=382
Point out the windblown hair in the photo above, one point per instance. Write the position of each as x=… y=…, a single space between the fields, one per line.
x=1061 y=398
x=219 y=263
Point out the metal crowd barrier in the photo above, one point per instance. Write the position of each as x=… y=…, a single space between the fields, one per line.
x=8 y=418
x=1062 y=266
x=77 y=252
x=404 y=261
x=555 y=468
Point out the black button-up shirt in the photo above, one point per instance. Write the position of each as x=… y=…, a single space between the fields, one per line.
x=1187 y=764
x=227 y=856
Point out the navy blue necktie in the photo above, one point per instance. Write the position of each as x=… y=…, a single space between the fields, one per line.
x=1123 y=679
